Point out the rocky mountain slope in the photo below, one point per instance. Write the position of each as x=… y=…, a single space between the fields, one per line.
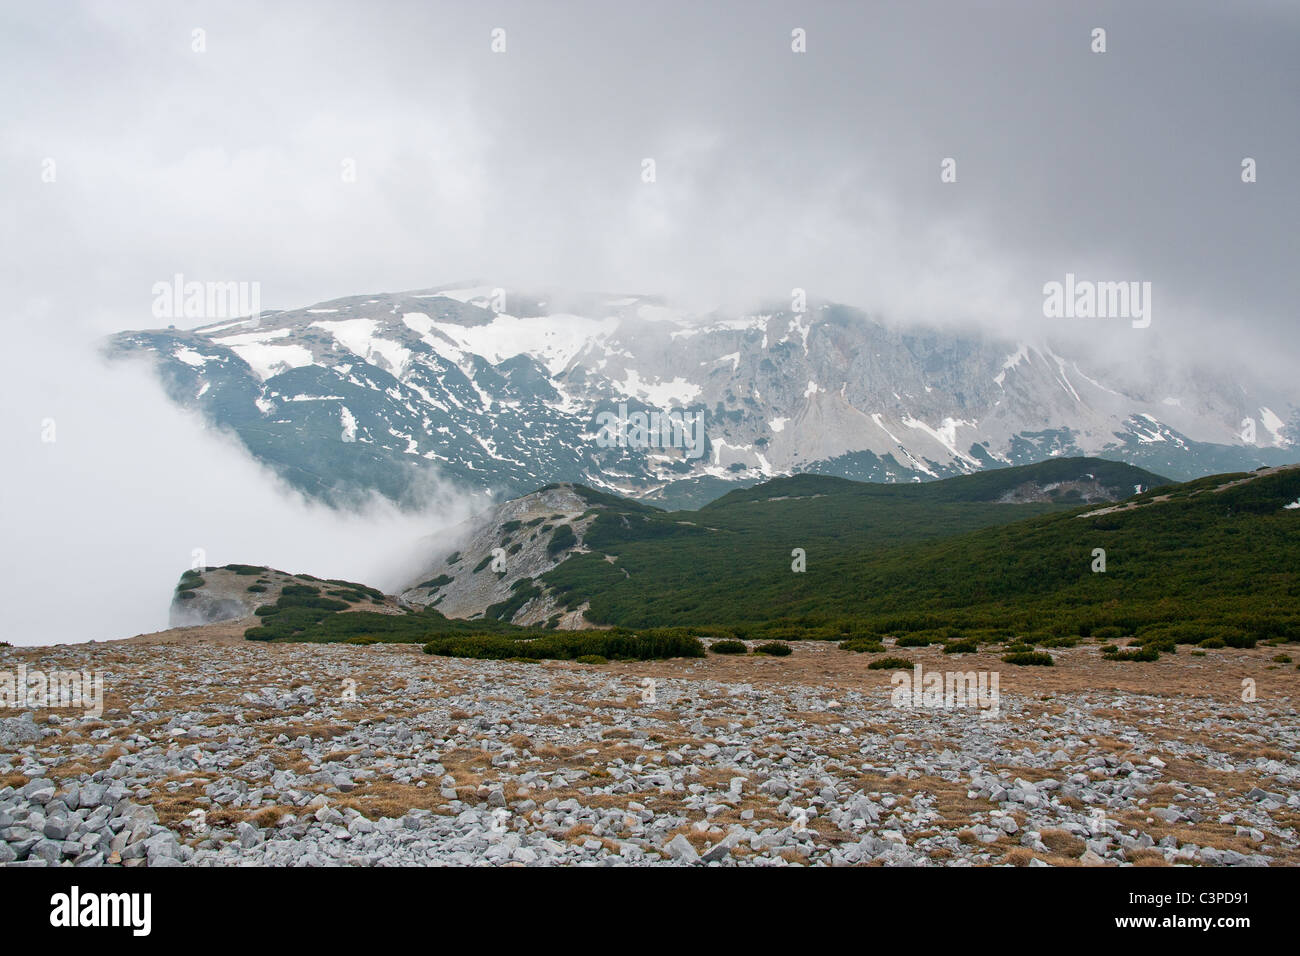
x=498 y=557
x=497 y=565
x=238 y=591
x=509 y=392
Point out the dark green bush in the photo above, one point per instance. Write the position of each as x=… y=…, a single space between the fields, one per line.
x=729 y=647
x=569 y=645
x=1148 y=653
x=561 y=539
x=916 y=640
x=890 y=663
x=774 y=649
x=1060 y=641
x=1029 y=658
x=299 y=590
x=862 y=646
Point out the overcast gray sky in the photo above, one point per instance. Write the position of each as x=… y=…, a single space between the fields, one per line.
x=775 y=169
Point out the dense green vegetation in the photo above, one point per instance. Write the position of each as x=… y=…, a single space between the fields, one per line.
x=292 y=619
x=300 y=615
x=191 y=580
x=1212 y=564
x=523 y=591
x=982 y=486
x=616 y=644
x=562 y=538
x=914 y=565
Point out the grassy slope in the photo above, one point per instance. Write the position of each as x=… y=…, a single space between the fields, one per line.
x=1227 y=556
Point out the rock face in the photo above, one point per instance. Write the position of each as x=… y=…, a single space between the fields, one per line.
x=491 y=561
x=505 y=394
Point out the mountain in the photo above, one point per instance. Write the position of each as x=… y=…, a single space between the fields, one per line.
x=1216 y=552
x=819 y=558
x=499 y=565
x=503 y=394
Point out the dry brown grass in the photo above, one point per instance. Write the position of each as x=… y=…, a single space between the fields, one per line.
x=1062 y=843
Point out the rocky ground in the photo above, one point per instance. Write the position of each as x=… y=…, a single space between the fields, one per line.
x=214 y=751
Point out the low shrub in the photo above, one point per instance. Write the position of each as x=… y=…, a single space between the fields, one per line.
x=1029 y=659
x=615 y=644
x=1072 y=641
x=299 y=590
x=561 y=538
x=591 y=659
x=1145 y=654
x=915 y=640
x=729 y=647
x=774 y=649
x=860 y=645
x=890 y=663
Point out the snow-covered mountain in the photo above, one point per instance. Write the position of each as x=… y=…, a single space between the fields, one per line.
x=506 y=393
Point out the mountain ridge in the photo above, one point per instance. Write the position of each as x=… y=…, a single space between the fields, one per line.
x=500 y=394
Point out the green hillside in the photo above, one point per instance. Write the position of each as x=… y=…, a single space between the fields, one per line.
x=1223 y=561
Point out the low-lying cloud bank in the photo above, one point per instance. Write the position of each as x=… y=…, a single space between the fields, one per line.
x=109 y=489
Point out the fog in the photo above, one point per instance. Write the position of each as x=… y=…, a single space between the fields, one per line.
x=327 y=149
x=109 y=489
